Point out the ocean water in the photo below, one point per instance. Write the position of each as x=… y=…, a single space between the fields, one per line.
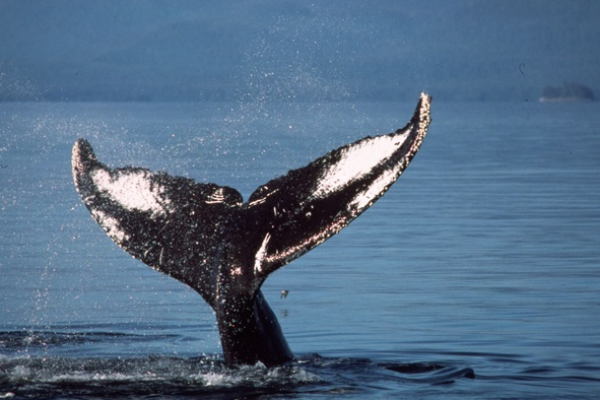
x=476 y=276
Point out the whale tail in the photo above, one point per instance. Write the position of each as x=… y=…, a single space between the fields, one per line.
x=205 y=236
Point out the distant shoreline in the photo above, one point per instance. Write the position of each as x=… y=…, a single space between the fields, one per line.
x=563 y=99
x=568 y=92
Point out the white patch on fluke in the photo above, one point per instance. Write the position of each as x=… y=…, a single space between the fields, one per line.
x=264 y=198
x=111 y=226
x=375 y=189
x=236 y=271
x=261 y=253
x=257 y=201
x=218 y=196
x=357 y=161
x=133 y=190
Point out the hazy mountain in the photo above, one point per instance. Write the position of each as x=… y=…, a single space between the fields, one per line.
x=295 y=50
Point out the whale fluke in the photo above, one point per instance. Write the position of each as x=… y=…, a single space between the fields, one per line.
x=207 y=237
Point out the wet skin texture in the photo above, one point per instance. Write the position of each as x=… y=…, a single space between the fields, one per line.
x=205 y=236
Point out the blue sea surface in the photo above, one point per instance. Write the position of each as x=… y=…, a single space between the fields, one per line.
x=476 y=276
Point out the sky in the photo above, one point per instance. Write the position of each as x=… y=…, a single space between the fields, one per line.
x=295 y=50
